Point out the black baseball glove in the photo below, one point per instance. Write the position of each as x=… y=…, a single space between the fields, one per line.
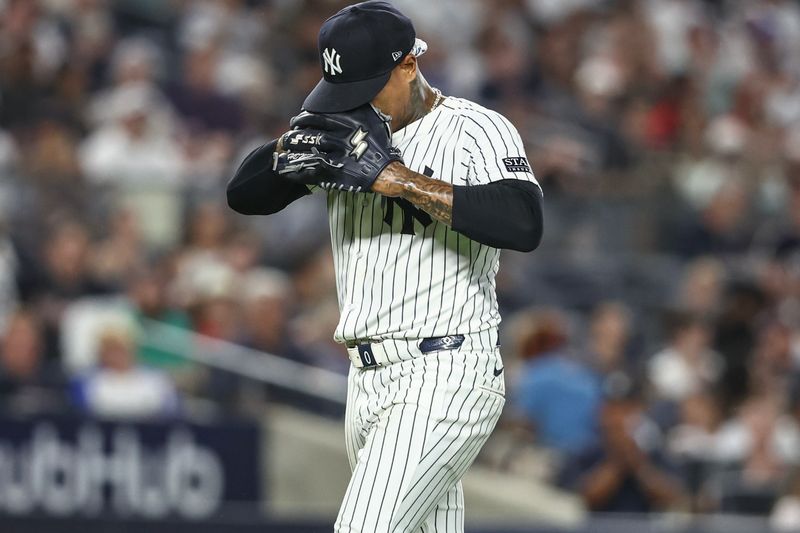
x=344 y=151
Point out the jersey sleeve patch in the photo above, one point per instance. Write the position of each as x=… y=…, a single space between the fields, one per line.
x=516 y=164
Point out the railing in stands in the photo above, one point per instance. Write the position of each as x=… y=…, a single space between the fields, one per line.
x=247 y=362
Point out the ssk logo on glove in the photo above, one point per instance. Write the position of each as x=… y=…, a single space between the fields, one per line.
x=516 y=164
x=301 y=138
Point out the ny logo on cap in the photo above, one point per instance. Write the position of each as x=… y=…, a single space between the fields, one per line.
x=331 y=58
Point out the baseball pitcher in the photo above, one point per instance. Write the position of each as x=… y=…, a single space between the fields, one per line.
x=423 y=191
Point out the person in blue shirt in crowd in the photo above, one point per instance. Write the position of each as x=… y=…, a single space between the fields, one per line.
x=556 y=393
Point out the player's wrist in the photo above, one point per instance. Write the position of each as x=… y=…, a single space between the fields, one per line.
x=391 y=181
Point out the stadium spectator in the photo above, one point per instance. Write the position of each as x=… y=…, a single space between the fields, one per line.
x=701 y=287
x=66 y=276
x=130 y=148
x=687 y=365
x=121 y=388
x=122 y=253
x=134 y=61
x=67 y=272
x=699 y=181
x=609 y=337
x=243 y=251
x=29 y=383
x=148 y=295
x=207 y=231
x=50 y=163
x=760 y=443
x=695 y=444
x=773 y=366
x=197 y=98
x=22 y=90
x=735 y=337
x=266 y=295
x=695 y=437
x=720 y=227
x=627 y=470
x=207 y=288
x=137 y=158
x=555 y=392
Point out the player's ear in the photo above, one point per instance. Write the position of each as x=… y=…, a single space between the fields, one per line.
x=408 y=66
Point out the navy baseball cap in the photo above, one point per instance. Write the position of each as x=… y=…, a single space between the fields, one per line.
x=358 y=48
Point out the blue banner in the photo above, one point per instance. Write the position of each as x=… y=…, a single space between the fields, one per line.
x=152 y=470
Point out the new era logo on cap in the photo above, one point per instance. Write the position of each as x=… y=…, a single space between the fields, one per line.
x=396 y=55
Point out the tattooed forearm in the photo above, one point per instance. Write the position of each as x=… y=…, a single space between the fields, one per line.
x=431 y=195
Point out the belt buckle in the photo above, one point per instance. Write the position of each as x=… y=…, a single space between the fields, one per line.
x=435 y=344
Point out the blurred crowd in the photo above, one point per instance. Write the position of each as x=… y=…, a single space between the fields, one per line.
x=653 y=340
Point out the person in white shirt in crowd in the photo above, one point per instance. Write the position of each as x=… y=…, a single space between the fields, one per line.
x=687 y=364
x=696 y=435
x=140 y=161
x=763 y=443
x=134 y=61
x=120 y=388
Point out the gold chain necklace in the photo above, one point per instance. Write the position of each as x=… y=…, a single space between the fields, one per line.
x=438 y=99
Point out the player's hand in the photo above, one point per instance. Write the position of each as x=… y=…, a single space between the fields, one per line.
x=343 y=151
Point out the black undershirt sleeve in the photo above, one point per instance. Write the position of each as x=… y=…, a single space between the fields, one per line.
x=256 y=190
x=501 y=214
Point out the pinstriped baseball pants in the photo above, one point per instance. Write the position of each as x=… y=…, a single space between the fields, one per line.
x=412 y=430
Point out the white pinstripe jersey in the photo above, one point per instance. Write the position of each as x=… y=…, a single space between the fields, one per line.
x=402 y=274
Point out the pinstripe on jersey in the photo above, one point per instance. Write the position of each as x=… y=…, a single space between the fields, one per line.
x=430 y=281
